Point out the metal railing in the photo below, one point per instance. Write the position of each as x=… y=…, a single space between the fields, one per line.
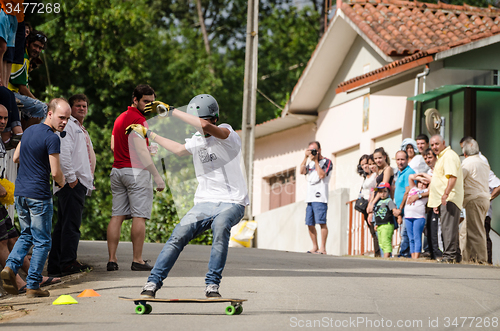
x=360 y=240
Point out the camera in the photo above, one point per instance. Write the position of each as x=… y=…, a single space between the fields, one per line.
x=314 y=152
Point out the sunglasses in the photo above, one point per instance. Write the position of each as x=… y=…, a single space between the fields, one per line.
x=41 y=37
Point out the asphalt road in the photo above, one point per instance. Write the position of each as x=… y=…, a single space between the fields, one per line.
x=285 y=291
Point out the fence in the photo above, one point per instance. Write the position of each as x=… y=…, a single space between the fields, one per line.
x=360 y=240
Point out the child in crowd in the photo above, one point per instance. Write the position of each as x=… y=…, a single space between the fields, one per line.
x=384 y=218
x=415 y=214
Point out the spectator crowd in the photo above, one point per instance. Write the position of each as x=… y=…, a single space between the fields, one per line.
x=443 y=205
x=54 y=143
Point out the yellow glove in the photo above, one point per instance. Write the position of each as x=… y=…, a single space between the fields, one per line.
x=141 y=130
x=158 y=107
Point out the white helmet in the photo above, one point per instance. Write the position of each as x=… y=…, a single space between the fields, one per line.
x=203 y=106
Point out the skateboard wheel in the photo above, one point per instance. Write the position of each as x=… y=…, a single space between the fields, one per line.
x=239 y=310
x=230 y=310
x=140 y=309
x=149 y=309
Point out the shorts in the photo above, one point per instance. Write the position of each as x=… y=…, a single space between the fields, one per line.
x=7 y=229
x=8 y=28
x=385 y=232
x=16 y=54
x=132 y=192
x=316 y=213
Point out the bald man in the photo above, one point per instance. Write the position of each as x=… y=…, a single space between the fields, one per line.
x=38 y=157
x=446 y=195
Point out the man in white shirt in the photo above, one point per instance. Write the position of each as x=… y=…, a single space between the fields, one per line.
x=221 y=195
x=318 y=170
x=476 y=203
x=78 y=165
x=494 y=186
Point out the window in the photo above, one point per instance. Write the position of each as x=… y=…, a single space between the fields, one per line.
x=282 y=189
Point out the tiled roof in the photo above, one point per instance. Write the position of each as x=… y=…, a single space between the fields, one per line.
x=416 y=30
x=388 y=70
x=408 y=27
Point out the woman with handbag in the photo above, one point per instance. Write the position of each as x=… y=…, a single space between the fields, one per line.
x=369 y=170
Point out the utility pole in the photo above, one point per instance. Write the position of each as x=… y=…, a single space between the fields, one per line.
x=249 y=97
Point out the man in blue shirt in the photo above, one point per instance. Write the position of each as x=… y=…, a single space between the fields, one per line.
x=38 y=157
x=401 y=184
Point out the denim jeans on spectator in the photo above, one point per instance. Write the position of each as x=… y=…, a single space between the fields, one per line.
x=404 y=248
x=32 y=107
x=415 y=227
x=221 y=217
x=35 y=217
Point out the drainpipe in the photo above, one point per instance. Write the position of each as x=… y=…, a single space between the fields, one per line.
x=417 y=78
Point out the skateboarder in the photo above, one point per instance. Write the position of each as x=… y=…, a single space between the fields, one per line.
x=220 y=198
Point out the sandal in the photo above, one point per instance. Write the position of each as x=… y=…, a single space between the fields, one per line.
x=50 y=281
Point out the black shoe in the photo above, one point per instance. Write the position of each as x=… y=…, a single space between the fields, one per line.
x=75 y=268
x=149 y=290
x=54 y=272
x=425 y=254
x=141 y=267
x=112 y=266
x=55 y=275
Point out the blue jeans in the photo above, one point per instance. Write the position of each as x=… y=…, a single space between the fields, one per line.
x=35 y=217
x=415 y=229
x=32 y=107
x=221 y=217
x=404 y=248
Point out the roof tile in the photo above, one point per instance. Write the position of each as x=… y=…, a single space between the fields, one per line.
x=403 y=28
x=416 y=30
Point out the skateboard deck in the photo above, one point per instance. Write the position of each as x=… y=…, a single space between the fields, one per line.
x=142 y=306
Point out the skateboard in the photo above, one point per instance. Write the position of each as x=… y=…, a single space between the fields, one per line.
x=142 y=306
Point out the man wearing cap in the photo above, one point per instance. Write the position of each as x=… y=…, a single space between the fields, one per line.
x=446 y=195
x=400 y=185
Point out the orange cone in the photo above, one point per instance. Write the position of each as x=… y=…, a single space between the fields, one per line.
x=88 y=293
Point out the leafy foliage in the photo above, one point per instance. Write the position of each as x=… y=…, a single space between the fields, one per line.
x=104 y=48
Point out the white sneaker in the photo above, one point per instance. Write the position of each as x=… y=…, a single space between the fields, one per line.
x=212 y=291
x=149 y=290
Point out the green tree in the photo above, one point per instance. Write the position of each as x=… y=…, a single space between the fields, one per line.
x=104 y=48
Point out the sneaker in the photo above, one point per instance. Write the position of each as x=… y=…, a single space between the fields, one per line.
x=9 y=281
x=212 y=291
x=112 y=266
x=141 y=267
x=75 y=267
x=38 y=293
x=149 y=290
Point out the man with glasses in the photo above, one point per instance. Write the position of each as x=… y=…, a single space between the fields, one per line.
x=33 y=110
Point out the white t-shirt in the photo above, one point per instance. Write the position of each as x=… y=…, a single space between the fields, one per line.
x=416 y=209
x=418 y=164
x=217 y=164
x=368 y=185
x=493 y=182
x=317 y=189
